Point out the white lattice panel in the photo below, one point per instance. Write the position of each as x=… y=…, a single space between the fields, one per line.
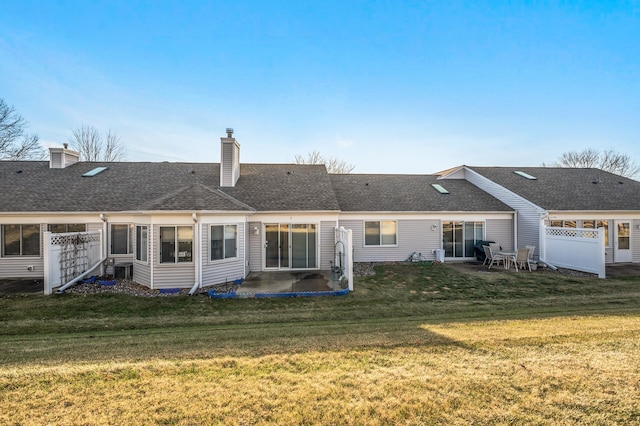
x=68 y=255
x=572 y=232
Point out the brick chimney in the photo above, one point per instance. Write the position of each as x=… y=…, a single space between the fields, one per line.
x=60 y=158
x=229 y=160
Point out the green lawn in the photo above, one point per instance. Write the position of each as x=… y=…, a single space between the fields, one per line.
x=414 y=344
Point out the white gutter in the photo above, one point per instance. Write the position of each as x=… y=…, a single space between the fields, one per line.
x=81 y=276
x=196 y=256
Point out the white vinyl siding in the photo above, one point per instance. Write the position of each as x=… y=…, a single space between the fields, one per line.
x=223 y=270
x=142 y=273
x=327 y=242
x=95 y=226
x=255 y=246
x=528 y=215
x=501 y=231
x=412 y=236
x=17 y=267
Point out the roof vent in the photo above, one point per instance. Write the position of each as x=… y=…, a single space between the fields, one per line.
x=229 y=132
x=439 y=188
x=525 y=175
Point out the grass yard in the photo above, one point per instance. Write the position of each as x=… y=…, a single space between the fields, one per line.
x=414 y=344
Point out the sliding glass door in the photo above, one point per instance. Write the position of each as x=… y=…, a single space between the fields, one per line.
x=277 y=245
x=458 y=238
x=290 y=246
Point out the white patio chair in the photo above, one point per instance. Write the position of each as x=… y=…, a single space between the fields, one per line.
x=531 y=249
x=494 y=258
x=522 y=259
x=487 y=255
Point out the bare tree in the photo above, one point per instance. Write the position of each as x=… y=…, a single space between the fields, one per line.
x=608 y=160
x=333 y=164
x=92 y=146
x=15 y=143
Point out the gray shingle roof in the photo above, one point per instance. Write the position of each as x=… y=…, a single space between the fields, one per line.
x=569 y=189
x=31 y=186
x=281 y=187
x=409 y=193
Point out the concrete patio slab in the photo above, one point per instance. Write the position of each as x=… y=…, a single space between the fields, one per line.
x=286 y=282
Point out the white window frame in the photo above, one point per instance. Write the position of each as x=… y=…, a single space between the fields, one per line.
x=176 y=258
x=380 y=244
x=137 y=248
x=464 y=240
x=130 y=249
x=224 y=243
x=21 y=255
x=66 y=225
x=595 y=226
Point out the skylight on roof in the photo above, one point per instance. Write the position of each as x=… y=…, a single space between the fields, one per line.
x=525 y=175
x=439 y=188
x=94 y=171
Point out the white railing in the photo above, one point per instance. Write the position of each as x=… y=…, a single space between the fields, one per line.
x=581 y=249
x=343 y=254
x=69 y=255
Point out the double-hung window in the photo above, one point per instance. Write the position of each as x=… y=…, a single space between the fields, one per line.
x=121 y=241
x=380 y=233
x=20 y=240
x=142 y=243
x=224 y=241
x=176 y=244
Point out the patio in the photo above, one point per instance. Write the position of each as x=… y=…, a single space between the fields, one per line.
x=284 y=282
x=612 y=269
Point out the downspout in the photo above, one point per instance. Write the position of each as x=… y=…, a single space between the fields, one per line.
x=247 y=239
x=81 y=276
x=105 y=248
x=515 y=230
x=196 y=256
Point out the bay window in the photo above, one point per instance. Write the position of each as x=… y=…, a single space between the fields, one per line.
x=176 y=244
x=142 y=243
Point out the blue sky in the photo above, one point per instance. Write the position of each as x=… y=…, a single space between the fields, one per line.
x=389 y=86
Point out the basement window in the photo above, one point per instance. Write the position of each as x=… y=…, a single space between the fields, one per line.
x=525 y=175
